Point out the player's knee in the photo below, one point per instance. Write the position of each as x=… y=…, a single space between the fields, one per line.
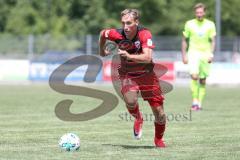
x=130 y=98
x=194 y=77
x=202 y=81
x=159 y=115
x=130 y=102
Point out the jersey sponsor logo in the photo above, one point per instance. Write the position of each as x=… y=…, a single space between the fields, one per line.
x=125 y=44
x=137 y=44
x=201 y=33
x=149 y=42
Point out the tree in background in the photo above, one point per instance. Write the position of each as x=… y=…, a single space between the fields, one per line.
x=81 y=17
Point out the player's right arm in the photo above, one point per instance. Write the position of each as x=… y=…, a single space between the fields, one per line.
x=184 y=50
x=186 y=34
x=102 y=40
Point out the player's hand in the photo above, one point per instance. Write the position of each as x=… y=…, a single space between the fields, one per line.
x=104 y=52
x=107 y=52
x=210 y=59
x=123 y=53
x=185 y=60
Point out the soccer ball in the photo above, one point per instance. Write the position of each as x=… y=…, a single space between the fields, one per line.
x=69 y=142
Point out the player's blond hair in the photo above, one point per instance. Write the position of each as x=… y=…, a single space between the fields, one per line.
x=200 y=5
x=133 y=12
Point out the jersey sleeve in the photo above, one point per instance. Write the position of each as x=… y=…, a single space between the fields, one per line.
x=145 y=37
x=186 y=30
x=111 y=34
x=212 y=31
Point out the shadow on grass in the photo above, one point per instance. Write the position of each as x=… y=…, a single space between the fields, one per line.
x=129 y=146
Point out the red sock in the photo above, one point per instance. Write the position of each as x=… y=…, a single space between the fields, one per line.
x=159 y=130
x=135 y=112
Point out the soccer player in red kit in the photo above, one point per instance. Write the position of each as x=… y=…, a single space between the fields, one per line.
x=136 y=74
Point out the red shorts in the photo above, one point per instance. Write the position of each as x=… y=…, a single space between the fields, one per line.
x=147 y=84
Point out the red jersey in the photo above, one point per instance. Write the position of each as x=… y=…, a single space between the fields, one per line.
x=143 y=39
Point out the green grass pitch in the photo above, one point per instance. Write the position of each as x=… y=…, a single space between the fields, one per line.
x=29 y=129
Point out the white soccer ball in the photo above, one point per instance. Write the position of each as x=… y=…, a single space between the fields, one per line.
x=69 y=142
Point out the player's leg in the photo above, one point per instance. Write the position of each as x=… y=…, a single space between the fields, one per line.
x=203 y=74
x=195 y=91
x=202 y=91
x=130 y=99
x=160 y=125
x=130 y=96
x=194 y=62
x=151 y=91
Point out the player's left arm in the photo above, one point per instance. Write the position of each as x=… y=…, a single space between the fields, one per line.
x=213 y=42
x=213 y=45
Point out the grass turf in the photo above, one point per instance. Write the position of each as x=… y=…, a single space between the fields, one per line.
x=30 y=130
